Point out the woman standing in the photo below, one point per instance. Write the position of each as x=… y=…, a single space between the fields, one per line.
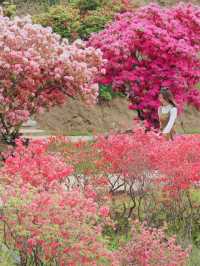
x=167 y=113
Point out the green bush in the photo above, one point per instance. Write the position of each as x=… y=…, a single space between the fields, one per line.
x=95 y=21
x=7 y=257
x=9 y=9
x=107 y=94
x=80 y=18
x=85 y=5
x=63 y=20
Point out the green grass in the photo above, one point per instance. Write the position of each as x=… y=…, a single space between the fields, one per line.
x=7 y=257
x=79 y=133
x=194 y=259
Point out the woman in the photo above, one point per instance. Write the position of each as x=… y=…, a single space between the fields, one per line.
x=167 y=113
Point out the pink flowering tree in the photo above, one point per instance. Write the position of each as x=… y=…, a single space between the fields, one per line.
x=39 y=70
x=150 y=48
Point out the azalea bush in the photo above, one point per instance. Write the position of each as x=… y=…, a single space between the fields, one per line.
x=84 y=158
x=151 y=246
x=39 y=70
x=42 y=219
x=178 y=181
x=126 y=162
x=117 y=163
x=150 y=48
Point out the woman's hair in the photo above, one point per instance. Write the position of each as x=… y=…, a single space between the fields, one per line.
x=168 y=96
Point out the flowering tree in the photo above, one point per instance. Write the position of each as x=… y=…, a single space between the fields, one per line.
x=150 y=48
x=43 y=220
x=39 y=70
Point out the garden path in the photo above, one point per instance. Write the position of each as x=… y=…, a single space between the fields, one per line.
x=32 y=131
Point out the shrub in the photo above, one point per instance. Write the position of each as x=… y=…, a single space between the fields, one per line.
x=39 y=70
x=178 y=167
x=82 y=17
x=9 y=10
x=151 y=48
x=151 y=246
x=86 y=5
x=178 y=163
x=63 y=20
x=40 y=187
x=126 y=158
x=44 y=221
x=107 y=94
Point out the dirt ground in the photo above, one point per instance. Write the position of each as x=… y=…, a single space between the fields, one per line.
x=191 y=121
x=74 y=118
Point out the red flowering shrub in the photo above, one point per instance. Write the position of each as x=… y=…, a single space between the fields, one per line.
x=85 y=159
x=178 y=163
x=125 y=158
x=176 y=195
x=35 y=166
x=150 y=48
x=151 y=246
x=43 y=220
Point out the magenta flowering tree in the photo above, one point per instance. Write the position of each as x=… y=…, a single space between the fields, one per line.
x=39 y=70
x=150 y=48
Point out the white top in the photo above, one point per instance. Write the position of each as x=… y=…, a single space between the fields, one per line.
x=172 y=118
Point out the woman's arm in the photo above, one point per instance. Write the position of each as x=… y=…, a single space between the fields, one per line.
x=172 y=119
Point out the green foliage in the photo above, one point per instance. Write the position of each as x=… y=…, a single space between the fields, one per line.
x=97 y=14
x=194 y=258
x=9 y=9
x=53 y=2
x=85 y=5
x=93 y=22
x=7 y=257
x=80 y=18
x=107 y=94
x=63 y=20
